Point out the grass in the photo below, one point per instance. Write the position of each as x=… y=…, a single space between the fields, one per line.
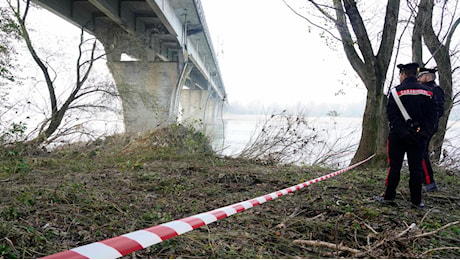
x=90 y=192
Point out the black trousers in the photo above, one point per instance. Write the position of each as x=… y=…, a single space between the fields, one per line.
x=428 y=176
x=397 y=147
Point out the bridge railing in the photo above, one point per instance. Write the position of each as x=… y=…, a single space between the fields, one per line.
x=200 y=11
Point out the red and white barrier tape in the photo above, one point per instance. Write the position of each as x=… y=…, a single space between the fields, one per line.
x=122 y=245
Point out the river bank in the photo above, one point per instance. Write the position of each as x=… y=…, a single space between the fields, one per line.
x=90 y=192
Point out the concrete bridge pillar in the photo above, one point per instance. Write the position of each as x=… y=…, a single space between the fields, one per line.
x=193 y=103
x=153 y=48
x=146 y=92
x=149 y=87
x=213 y=110
x=199 y=106
x=151 y=84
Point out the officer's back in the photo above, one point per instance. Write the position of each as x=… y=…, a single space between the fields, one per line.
x=417 y=100
x=408 y=133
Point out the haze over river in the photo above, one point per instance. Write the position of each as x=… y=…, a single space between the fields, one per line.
x=338 y=136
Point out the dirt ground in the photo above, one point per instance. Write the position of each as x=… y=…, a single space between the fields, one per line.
x=52 y=202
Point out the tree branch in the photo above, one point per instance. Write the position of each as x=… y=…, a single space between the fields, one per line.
x=451 y=32
x=347 y=41
x=360 y=31
x=41 y=65
x=310 y=22
x=389 y=34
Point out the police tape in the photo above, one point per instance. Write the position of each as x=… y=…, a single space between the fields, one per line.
x=125 y=244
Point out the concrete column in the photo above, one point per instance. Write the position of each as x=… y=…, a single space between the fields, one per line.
x=146 y=90
x=211 y=112
x=193 y=102
x=213 y=127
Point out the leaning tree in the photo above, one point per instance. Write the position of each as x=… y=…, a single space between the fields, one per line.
x=370 y=62
x=370 y=51
x=437 y=36
x=60 y=103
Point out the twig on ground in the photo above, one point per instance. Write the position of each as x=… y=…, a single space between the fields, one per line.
x=295 y=213
x=360 y=254
x=12 y=245
x=424 y=216
x=370 y=228
x=327 y=254
x=327 y=244
x=315 y=217
x=443 y=197
x=435 y=231
x=404 y=232
x=412 y=226
x=440 y=248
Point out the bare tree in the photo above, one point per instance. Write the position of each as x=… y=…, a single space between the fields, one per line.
x=84 y=65
x=370 y=65
x=439 y=45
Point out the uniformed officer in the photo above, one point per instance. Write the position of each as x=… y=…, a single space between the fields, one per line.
x=408 y=136
x=427 y=77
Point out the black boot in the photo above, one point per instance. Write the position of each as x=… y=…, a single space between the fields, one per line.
x=420 y=205
x=430 y=187
x=387 y=202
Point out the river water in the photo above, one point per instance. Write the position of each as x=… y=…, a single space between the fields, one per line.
x=335 y=138
x=327 y=137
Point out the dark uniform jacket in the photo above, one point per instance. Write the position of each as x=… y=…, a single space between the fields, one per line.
x=418 y=101
x=439 y=99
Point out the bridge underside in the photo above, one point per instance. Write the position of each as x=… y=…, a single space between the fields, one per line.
x=145 y=90
x=172 y=73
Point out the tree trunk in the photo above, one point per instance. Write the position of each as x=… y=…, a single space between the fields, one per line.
x=441 y=55
x=373 y=74
x=374 y=131
x=445 y=81
x=371 y=66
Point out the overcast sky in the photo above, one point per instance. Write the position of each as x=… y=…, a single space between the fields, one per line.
x=267 y=54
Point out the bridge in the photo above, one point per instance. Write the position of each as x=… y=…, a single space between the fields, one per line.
x=172 y=72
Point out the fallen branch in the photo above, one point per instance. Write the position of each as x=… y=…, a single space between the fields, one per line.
x=457 y=241
x=321 y=253
x=326 y=244
x=404 y=232
x=412 y=226
x=439 y=248
x=315 y=217
x=295 y=213
x=12 y=245
x=360 y=254
x=436 y=231
x=370 y=228
x=443 y=197
x=424 y=216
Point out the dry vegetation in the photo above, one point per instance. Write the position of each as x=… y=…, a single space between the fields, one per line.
x=51 y=202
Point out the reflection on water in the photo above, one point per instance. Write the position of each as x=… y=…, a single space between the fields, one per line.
x=235 y=132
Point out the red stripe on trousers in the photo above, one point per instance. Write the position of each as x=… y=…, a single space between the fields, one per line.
x=425 y=172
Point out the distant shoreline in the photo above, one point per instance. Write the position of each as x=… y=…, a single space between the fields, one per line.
x=233 y=116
